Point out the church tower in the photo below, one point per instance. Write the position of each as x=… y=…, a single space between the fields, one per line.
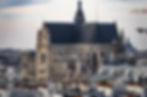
x=79 y=18
x=43 y=56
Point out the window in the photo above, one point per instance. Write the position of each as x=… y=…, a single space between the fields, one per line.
x=94 y=63
x=43 y=58
x=71 y=65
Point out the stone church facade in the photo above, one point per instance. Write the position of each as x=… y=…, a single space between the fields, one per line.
x=72 y=50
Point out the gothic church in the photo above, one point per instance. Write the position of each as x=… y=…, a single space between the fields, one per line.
x=72 y=50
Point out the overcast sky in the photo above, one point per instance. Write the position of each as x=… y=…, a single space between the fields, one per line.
x=21 y=19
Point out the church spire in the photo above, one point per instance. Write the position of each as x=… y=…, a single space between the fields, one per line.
x=79 y=18
x=79 y=4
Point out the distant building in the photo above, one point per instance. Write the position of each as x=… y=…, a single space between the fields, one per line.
x=122 y=74
x=10 y=57
x=72 y=50
x=27 y=64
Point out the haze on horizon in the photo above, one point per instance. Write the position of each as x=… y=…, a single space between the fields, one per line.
x=20 y=20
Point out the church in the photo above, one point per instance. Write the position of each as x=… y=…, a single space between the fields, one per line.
x=72 y=50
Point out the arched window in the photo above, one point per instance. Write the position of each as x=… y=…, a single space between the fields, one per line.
x=43 y=58
x=72 y=65
x=94 y=63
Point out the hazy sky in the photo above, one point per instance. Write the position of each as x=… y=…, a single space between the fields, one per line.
x=21 y=19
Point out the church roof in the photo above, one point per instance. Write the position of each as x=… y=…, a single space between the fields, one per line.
x=65 y=33
x=80 y=32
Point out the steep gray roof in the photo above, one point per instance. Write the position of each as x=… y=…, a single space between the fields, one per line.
x=65 y=33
